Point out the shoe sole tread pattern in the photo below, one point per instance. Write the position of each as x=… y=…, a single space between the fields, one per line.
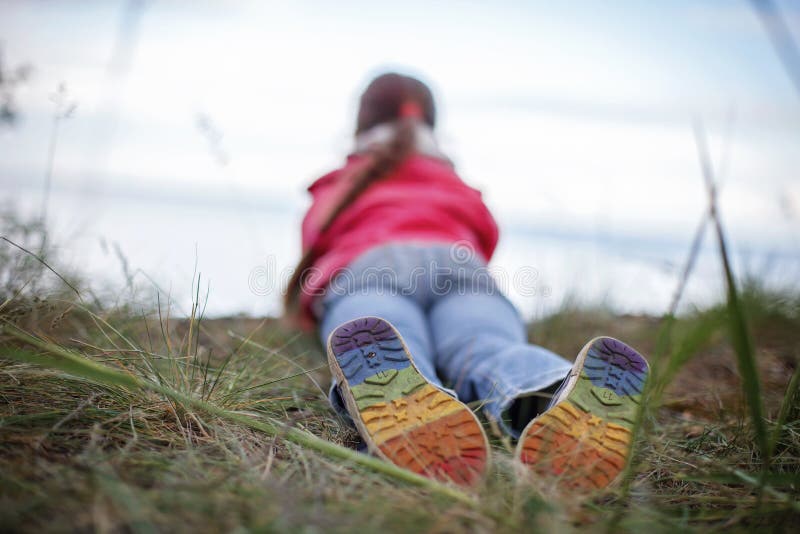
x=583 y=442
x=404 y=418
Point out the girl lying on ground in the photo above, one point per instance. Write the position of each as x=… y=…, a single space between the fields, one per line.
x=393 y=274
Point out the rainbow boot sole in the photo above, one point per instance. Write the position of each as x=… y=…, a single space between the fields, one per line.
x=583 y=441
x=402 y=417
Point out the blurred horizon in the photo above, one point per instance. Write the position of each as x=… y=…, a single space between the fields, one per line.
x=198 y=126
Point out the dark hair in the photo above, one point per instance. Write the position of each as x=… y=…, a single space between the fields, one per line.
x=390 y=97
x=384 y=97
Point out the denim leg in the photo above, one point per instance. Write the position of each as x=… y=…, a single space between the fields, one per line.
x=481 y=348
x=405 y=314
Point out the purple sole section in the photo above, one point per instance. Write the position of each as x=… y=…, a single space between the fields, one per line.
x=613 y=365
x=365 y=347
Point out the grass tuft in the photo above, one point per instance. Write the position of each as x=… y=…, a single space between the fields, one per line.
x=115 y=418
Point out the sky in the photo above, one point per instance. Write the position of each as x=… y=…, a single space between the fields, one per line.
x=199 y=125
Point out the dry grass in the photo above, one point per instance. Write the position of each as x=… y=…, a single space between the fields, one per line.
x=81 y=454
x=76 y=455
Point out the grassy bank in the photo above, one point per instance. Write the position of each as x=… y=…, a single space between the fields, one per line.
x=122 y=418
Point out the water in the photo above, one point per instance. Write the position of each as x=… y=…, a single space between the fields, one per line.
x=227 y=238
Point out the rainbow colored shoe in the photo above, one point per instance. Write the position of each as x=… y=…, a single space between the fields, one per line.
x=583 y=440
x=401 y=416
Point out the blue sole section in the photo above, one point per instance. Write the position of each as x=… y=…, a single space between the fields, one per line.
x=615 y=366
x=366 y=347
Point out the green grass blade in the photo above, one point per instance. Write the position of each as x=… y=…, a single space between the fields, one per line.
x=739 y=332
x=745 y=355
x=57 y=357
x=789 y=404
x=691 y=342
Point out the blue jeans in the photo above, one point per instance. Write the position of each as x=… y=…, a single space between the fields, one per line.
x=461 y=331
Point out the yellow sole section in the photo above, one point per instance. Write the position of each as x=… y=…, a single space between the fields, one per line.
x=581 y=449
x=386 y=420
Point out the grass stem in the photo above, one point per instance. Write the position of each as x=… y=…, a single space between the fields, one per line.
x=57 y=357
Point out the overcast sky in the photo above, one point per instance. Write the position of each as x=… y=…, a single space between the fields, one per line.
x=572 y=117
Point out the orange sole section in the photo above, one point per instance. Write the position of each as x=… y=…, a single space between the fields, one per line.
x=576 y=449
x=385 y=420
x=448 y=448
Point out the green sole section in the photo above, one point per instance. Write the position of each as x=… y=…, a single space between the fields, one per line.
x=386 y=386
x=605 y=403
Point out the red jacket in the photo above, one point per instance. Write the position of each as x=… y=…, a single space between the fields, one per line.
x=423 y=199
